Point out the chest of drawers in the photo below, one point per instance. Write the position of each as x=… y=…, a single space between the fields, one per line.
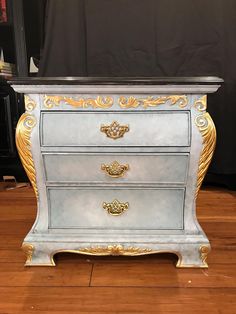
x=116 y=165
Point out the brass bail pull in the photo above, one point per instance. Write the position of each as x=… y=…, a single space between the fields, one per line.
x=115 y=169
x=115 y=208
x=114 y=130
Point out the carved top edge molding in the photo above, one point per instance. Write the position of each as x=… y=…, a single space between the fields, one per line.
x=51 y=101
x=173 y=89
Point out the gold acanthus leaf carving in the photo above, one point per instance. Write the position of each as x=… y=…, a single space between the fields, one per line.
x=204 y=251
x=115 y=250
x=207 y=128
x=29 y=103
x=100 y=102
x=28 y=249
x=23 y=132
x=201 y=103
x=132 y=102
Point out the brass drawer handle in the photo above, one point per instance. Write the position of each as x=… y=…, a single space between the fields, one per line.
x=115 y=208
x=114 y=130
x=115 y=169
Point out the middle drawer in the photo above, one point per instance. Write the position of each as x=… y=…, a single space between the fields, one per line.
x=162 y=168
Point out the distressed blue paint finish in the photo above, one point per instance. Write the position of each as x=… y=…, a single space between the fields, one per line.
x=162 y=147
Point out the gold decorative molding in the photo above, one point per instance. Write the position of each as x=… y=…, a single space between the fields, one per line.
x=132 y=102
x=51 y=101
x=207 y=128
x=29 y=103
x=118 y=250
x=28 y=249
x=114 y=130
x=204 y=251
x=115 y=169
x=114 y=250
x=23 y=132
x=201 y=103
x=115 y=208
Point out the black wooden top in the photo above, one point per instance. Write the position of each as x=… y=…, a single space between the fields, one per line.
x=203 y=80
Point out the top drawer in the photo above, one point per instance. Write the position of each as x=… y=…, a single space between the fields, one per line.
x=156 y=128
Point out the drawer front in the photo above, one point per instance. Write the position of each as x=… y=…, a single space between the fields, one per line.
x=115 y=168
x=143 y=208
x=159 y=128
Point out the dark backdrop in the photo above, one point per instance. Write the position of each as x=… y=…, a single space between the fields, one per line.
x=151 y=38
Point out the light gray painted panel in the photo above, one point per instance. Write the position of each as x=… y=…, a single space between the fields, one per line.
x=154 y=168
x=148 y=208
x=160 y=128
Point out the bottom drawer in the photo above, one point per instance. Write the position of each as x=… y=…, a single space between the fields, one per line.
x=151 y=208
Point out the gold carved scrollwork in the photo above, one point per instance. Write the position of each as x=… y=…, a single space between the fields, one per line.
x=23 y=132
x=29 y=103
x=201 y=103
x=114 y=130
x=28 y=249
x=204 y=251
x=132 y=102
x=115 y=250
x=208 y=131
x=115 y=169
x=115 y=208
x=51 y=101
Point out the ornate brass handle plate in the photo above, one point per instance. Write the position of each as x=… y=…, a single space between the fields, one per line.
x=115 y=169
x=114 y=130
x=115 y=208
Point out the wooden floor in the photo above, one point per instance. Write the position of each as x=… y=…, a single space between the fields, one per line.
x=149 y=284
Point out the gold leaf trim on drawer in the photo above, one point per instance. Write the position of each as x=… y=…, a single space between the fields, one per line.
x=51 y=101
x=132 y=102
x=24 y=128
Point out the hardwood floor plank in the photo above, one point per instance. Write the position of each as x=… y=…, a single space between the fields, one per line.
x=18 y=228
x=16 y=275
x=222 y=255
x=219 y=229
x=11 y=256
x=117 y=300
x=225 y=214
x=10 y=242
x=163 y=275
